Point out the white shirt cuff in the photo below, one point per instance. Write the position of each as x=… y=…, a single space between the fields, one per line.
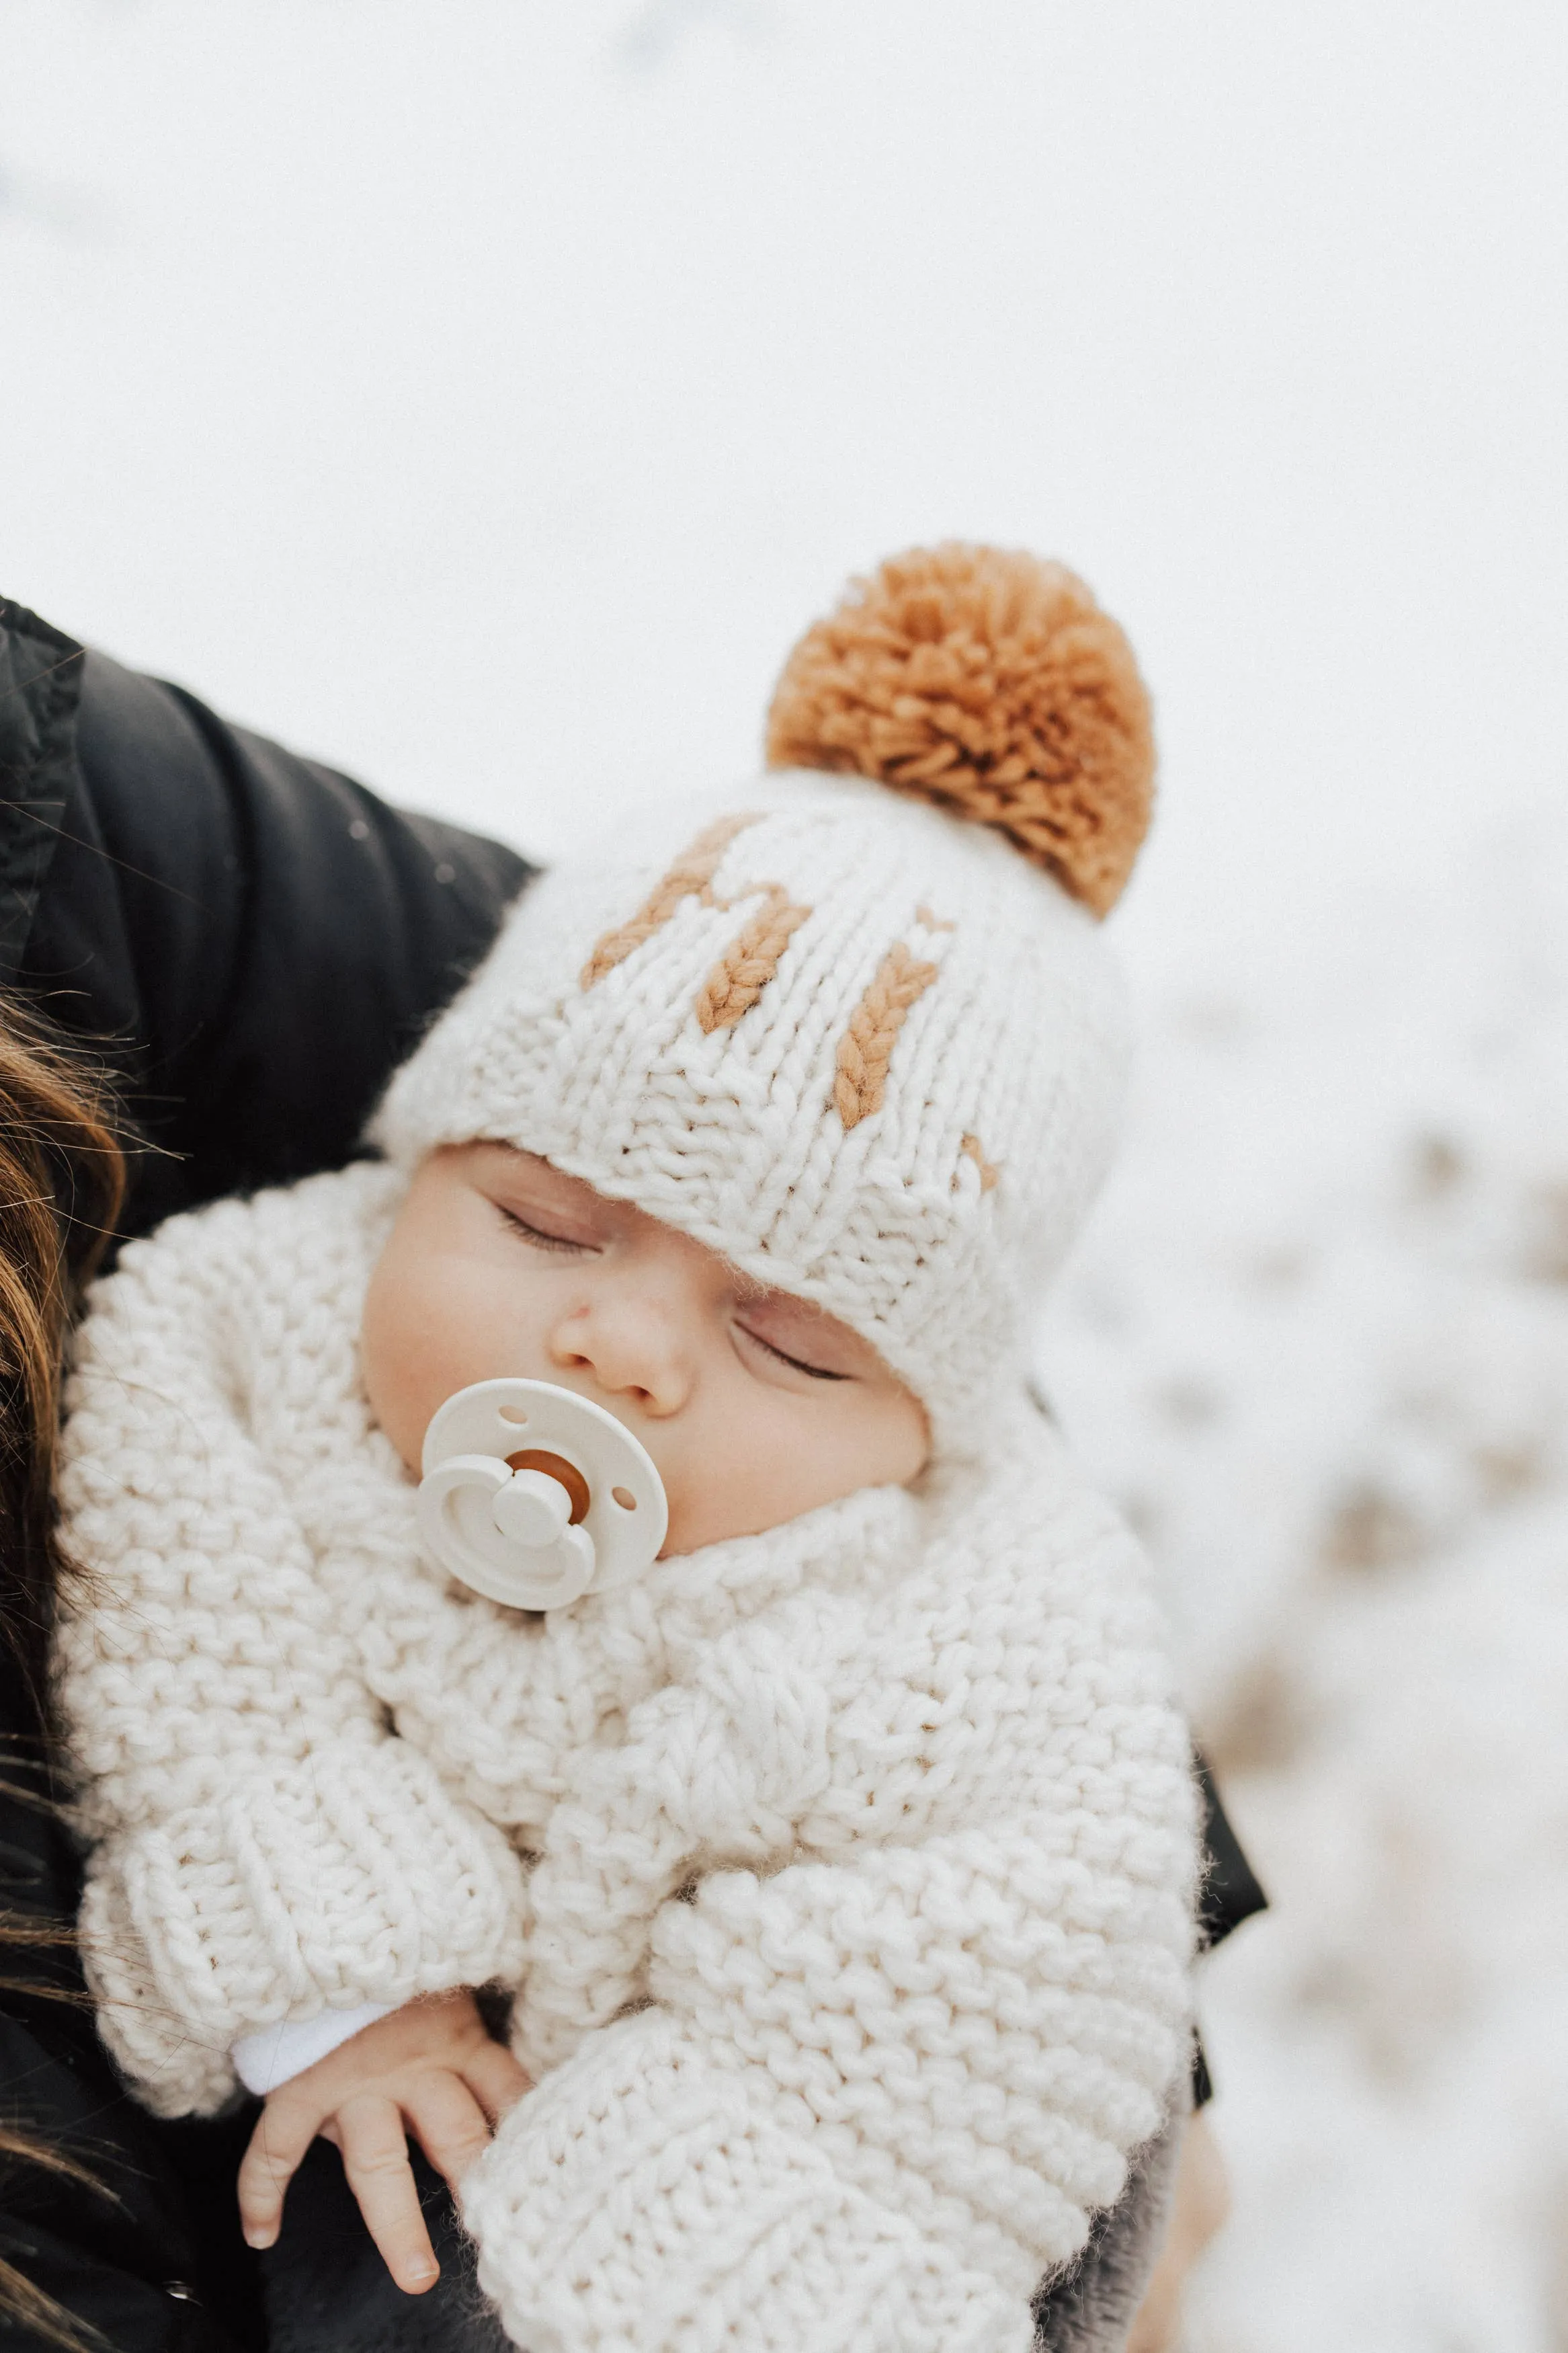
x=274 y=2054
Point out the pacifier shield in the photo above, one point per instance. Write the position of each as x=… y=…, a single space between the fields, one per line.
x=524 y=1537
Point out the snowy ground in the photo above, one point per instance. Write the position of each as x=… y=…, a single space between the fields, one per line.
x=1317 y=1340
x=483 y=394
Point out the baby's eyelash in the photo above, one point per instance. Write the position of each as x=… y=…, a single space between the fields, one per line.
x=815 y=1372
x=539 y=1239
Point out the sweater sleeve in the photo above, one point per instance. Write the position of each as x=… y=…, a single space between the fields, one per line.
x=651 y=2194
x=264 y=1848
x=870 y=2089
x=891 y=2092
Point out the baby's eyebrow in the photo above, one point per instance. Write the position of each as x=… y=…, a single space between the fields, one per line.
x=532 y=1166
x=752 y=1290
x=763 y=1294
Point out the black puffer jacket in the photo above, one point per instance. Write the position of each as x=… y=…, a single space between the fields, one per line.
x=254 y=942
x=256 y=939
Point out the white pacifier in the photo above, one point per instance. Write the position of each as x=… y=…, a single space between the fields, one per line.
x=583 y=1511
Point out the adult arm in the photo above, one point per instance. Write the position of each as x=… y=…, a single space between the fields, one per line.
x=254 y=940
x=115 y=2236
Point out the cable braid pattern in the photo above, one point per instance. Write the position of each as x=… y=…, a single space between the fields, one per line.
x=736 y=982
x=867 y=1048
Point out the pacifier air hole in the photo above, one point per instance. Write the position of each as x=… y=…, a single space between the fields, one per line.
x=625 y=1498
x=556 y=1467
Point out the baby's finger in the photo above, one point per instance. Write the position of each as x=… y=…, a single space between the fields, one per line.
x=448 y=2123
x=494 y=2077
x=284 y=2131
x=375 y=2159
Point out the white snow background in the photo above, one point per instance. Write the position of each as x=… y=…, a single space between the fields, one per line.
x=483 y=394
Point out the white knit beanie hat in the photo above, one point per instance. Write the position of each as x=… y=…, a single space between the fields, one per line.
x=866 y=1043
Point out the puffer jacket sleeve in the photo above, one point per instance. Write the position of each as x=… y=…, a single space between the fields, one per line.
x=264 y=1847
x=250 y=940
x=914 y=1990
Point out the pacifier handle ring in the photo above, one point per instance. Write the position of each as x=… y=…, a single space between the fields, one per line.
x=522 y=1576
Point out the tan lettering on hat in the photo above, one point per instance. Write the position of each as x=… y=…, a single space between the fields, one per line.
x=739 y=978
x=866 y=1049
x=691 y=877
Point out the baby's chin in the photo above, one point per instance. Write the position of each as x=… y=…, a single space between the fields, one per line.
x=697 y=1532
x=695 y=1523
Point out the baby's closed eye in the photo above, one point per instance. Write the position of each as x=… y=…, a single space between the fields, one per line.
x=800 y=1365
x=798 y=1334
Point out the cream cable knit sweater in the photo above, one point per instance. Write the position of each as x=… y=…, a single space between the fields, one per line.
x=844 y=1873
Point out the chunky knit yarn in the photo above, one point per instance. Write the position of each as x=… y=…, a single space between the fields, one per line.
x=859 y=1047
x=842 y=1873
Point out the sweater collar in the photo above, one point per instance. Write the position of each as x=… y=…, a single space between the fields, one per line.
x=850 y=1544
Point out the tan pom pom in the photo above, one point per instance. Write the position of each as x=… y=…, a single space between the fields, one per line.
x=991 y=683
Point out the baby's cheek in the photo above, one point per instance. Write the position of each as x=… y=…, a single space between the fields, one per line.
x=410 y=1338
x=790 y=1452
x=434 y=1326
x=854 y=1435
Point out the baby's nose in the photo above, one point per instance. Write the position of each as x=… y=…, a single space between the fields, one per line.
x=633 y=1347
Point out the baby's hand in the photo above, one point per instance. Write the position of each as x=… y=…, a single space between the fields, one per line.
x=430 y=2070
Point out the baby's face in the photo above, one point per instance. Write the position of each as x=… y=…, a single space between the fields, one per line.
x=754 y=1406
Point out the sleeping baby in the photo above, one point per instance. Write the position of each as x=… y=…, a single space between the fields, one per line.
x=837 y=1860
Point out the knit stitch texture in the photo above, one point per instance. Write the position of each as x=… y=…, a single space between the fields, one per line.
x=858 y=1047
x=842 y=1873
